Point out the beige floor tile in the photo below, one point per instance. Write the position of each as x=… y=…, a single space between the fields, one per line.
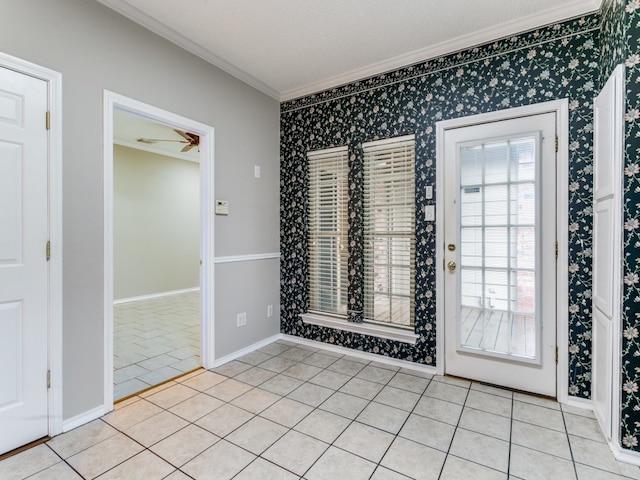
x=184 y=445
x=220 y=462
x=255 y=358
x=196 y=407
x=458 y=382
x=224 y=420
x=496 y=404
x=260 y=469
x=487 y=451
x=154 y=429
x=59 y=471
x=486 y=423
x=398 y=398
x=383 y=417
x=281 y=385
x=295 y=452
x=178 y=475
x=345 y=405
x=583 y=427
x=27 y=463
x=323 y=425
x=542 y=439
x=583 y=412
x=330 y=379
x=104 y=456
x=232 y=368
x=413 y=460
x=383 y=473
x=255 y=376
x=361 y=388
x=536 y=415
x=144 y=465
x=365 y=441
x=286 y=412
x=204 y=381
x=429 y=432
x=457 y=468
x=257 y=435
x=376 y=374
x=589 y=473
x=336 y=463
x=446 y=392
x=302 y=371
x=256 y=400
x=348 y=366
x=593 y=454
x=277 y=364
x=128 y=416
x=228 y=390
x=497 y=391
x=536 y=400
x=171 y=396
x=440 y=410
x=320 y=359
x=410 y=383
x=531 y=465
x=297 y=353
x=310 y=394
x=80 y=438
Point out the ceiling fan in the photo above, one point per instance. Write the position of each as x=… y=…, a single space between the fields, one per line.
x=191 y=139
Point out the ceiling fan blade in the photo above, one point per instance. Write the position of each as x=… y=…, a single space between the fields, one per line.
x=182 y=134
x=154 y=140
x=187 y=148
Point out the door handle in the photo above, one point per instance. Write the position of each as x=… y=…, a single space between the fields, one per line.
x=451 y=266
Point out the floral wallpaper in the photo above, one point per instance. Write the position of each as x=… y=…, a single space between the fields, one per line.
x=624 y=39
x=555 y=61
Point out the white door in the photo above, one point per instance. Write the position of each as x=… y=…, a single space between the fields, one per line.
x=607 y=243
x=500 y=247
x=23 y=264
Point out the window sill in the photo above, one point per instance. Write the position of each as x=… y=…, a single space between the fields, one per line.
x=387 y=333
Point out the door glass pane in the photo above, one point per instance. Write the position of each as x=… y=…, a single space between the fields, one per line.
x=498 y=248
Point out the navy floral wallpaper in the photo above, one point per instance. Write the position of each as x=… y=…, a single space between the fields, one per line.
x=621 y=34
x=556 y=61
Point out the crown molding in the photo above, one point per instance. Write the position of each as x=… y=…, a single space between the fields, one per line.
x=138 y=16
x=563 y=12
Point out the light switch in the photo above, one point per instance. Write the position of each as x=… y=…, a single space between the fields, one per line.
x=428 y=192
x=256 y=171
x=430 y=213
x=222 y=207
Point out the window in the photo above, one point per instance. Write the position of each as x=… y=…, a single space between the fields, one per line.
x=389 y=231
x=327 y=231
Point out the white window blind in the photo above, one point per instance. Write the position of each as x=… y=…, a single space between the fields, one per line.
x=328 y=225
x=389 y=231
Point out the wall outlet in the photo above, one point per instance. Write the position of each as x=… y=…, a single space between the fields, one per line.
x=241 y=319
x=269 y=311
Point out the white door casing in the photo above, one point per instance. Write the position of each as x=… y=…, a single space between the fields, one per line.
x=535 y=371
x=607 y=248
x=206 y=134
x=24 y=282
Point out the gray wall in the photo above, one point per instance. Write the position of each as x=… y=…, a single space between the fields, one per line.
x=96 y=49
x=156 y=223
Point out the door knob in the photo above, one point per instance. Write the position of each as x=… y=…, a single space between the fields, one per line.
x=451 y=266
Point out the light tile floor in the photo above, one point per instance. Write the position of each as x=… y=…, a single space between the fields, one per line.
x=289 y=412
x=154 y=340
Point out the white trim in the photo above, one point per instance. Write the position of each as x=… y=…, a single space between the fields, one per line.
x=624 y=455
x=577 y=402
x=126 y=9
x=245 y=351
x=247 y=258
x=152 y=149
x=561 y=109
x=54 y=334
x=542 y=17
x=83 y=418
x=418 y=367
x=207 y=275
x=379 y=331
x=151 y=296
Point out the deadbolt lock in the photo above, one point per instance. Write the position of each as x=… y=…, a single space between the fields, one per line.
x=451 y=247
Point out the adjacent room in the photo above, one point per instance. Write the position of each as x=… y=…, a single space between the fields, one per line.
x=370 y=240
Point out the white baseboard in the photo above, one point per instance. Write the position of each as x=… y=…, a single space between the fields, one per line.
x=83 y=418
x=244 y=351
x=576 y=402
x=623 y=455
x=357 y=353
x=155 y=295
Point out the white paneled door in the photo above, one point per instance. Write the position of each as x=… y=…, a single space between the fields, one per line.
x=23 y=261
x=500 y=248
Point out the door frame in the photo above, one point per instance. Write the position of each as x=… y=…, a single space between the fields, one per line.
x=53 y=80
x=561 y=109
x=207 y=201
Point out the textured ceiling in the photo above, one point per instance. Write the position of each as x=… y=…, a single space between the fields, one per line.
x=289 y=48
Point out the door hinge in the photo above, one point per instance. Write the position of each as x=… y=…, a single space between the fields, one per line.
x=48 y=378
x=556 y=355
x=47 y=120
x=556 y=144
x=556 y=250
x=48 y=250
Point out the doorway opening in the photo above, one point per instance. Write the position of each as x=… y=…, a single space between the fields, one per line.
x=158 y=246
